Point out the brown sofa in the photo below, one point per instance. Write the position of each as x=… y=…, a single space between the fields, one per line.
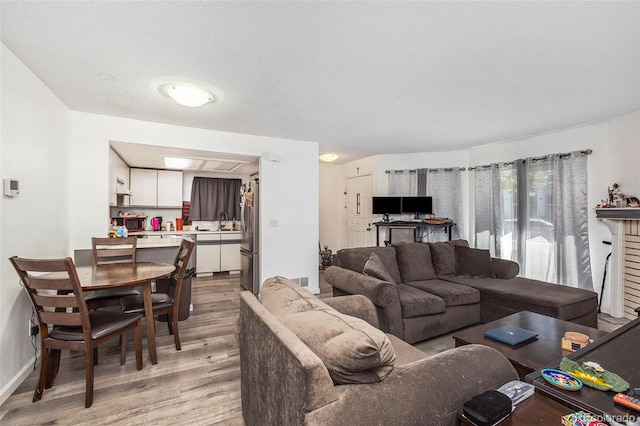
x=304 y=361
x=422 y=290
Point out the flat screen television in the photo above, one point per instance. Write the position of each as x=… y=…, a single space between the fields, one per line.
x=417 y=205
x=387 y=205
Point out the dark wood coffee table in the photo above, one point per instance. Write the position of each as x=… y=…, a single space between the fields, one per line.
x=533 y=355
x=617 y=352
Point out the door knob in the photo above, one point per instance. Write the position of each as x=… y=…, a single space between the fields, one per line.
x=368 y=229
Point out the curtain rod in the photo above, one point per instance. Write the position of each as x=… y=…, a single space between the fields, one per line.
x=446 y=169
x=508 y=163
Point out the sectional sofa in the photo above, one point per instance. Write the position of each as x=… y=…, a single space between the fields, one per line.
x=307 y=362
x=422 y=290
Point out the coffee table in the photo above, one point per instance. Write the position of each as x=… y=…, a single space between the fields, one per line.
x=617 y=352
x=533 y=355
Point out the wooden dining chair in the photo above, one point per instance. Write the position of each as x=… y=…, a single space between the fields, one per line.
x=66 y=322
x=166 y=303
x=112 y=250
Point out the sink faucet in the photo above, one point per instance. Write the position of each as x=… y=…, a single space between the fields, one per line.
x=224 y=217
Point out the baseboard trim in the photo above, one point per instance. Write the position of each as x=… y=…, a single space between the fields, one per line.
x=17 y=380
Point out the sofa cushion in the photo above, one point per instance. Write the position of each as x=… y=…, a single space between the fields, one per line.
x=355 y=258
x=376 y=268
x=444 y=257
x=524 y=294
x=453 y=294
x=352 y=350
x=472 y=262
x=414 y=261
x=415 y=302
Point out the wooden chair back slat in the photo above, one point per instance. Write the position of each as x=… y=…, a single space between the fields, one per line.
x=51 y=283
x=61 y=318
x=56 y=300
x=114 y=250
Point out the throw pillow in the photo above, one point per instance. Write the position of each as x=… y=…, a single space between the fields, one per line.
x=414 y=261
x=375 y=268
x=471 y=262
x=352 y=350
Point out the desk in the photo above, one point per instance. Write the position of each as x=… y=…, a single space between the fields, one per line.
x=127 y=274
x=446 y=226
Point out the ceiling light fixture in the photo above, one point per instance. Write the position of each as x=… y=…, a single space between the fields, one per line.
x=329 y=157
x=187 y=94
x=177 y=163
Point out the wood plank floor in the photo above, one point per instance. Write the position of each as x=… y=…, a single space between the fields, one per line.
x=199 y=385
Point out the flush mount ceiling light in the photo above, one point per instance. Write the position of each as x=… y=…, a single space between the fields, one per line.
x=177 y=163
x=329 y=157
x=187 y=94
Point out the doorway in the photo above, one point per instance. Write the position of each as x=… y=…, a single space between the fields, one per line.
x=359 y=230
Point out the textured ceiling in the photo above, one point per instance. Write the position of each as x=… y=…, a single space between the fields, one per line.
x=359 y=78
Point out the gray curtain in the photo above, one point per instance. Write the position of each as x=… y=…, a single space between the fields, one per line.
x=534 y=211
x=210 y=197
x=444 y=186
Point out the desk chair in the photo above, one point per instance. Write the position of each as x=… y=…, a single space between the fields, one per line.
x=166 y=303
x=59 y=303
x=402 y=234
x=111 y=250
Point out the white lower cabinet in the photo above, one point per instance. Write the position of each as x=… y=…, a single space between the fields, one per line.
x=230 y=252
x=217 y=253
x=207 y=253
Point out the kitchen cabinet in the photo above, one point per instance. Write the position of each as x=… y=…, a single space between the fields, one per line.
x=230 y=252
x=217 y=252
x=156 y=188
x=207 y=253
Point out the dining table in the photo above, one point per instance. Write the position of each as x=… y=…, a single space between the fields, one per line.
x=114 y=275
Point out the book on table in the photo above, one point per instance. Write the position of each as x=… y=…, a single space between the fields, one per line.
x=511 y=335
x=517 y=390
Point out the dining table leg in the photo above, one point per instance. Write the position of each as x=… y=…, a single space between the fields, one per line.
x=148 y=315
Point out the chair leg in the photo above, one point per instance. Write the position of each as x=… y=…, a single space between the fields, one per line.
x=137 y=339
x=53 y=367
x=95 y=356
x=123 y=348
x=169 y=324
x=176 y=335
x=88 y=365
x=44 y=364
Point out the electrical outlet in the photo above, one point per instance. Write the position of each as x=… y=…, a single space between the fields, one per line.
x=33 y=329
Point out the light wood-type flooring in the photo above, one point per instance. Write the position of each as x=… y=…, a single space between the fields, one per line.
x=199 y=385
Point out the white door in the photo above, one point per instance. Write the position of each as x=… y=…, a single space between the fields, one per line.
x=360 y=232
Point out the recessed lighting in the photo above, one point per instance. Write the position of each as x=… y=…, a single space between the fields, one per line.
x=187 y=94
x=329 y=157
x=177 y=163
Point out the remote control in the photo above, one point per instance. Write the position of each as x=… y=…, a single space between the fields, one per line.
x=627 y=401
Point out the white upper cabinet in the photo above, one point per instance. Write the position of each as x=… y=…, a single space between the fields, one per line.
x=156 y=188
x=169 y=188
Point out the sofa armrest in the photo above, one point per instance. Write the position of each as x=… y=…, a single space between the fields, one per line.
x=384 y=295
x=355 y=305
x=505 y=269
x=427 y=391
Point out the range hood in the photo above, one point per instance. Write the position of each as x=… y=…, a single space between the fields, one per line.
x=120 y=188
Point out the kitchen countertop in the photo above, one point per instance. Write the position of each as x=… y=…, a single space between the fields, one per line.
x=159 y=239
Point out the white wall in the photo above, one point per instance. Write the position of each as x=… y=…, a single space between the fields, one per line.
x=624 y=160
x=34 y=149
x=330 y=193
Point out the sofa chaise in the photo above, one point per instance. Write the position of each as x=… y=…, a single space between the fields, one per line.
x=312 y=362
x=422 y=290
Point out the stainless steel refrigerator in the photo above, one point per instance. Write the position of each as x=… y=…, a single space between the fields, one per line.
x=249 y=268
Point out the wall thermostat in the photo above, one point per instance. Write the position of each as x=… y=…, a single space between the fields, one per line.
x=11 y=187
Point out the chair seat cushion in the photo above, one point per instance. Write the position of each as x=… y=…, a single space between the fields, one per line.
x=136 y=303
x=102 y=324
x=416 y=303
x=116 y=293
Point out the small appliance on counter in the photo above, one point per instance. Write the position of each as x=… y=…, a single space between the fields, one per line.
x=130 y=222
x=156 y=223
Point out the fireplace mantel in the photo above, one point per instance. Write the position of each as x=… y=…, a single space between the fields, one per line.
x=619 y=213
